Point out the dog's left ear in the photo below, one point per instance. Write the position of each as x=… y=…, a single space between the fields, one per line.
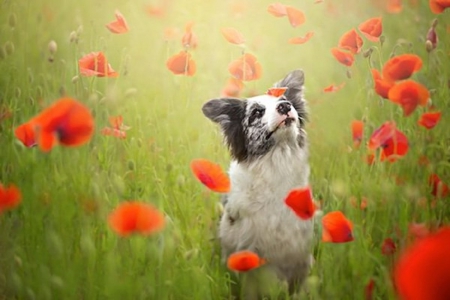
x=294 y=81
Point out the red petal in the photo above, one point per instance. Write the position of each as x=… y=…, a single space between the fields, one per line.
x=296 y=16
x=211 y=175
x=336 y=228
x=233 y=36
x=429 y=119
x=301 y=202
x=244 y=261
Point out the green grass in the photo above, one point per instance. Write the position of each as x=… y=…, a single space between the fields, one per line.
x=57 y=243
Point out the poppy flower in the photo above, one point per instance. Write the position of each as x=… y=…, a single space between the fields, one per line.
x=423 y=269
x=388 y=247
x=368 y=289
x=117 y=129
x=344 y=57
x=429 y=119
x=136 y=217
x=295 y=16
x=301 y=40
x=244 y=261
x=189 y=39
x=394 y=6
x=232 y=88
x=381 y=85
x=95 y=64
x=438 y=6
x=336 y=228
x=371 y=29
x=301 y=202
x=277 y=91
x=351 y=41
x=119 y=25
x=277 y=10
x=233 y=36
x=438 y=187
x=181 y=64
x=401 y=67
x=10 y=197
x=67 y=122
x=333 y=88
x=357 y=132
x=381 y=135
x=394 y=147
x=409 y=94
x=245 y=68
x=362 y=205
x=211 y=175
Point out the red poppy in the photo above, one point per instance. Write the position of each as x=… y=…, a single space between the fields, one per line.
x=381 y=135
x=233 y=36
x=301 y=202
x=181 y=64
x=357 y=132
x=368 y=289
x=409 y=94
x=362 y=205
x=136 y=217
x=189 y=39
x=371 y=29
x=232 y=88
x=95 y=64
x=301 y=40
x=119 y=25
x=381 y=85
x=336 y=228
x=418 y=230
x=117 y=129
x=277 y=91
x=439 y=188
x=388 y=247
x=344 y=57
x=211 y=175
x=10 y=197
x=277 y=10
x=245 y=68
x=351 y=41
x=333 y=88
x=429 y=119
x=438 y=6
x=296 y=16
x=401 y=67
x=244 y=261
x=394 y=6
x=423 y=270
x=66 y=121
x=394 y=147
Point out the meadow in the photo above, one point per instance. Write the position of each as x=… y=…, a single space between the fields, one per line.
x=57 y=242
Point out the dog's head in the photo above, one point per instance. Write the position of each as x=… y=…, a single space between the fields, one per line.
x=252 y=127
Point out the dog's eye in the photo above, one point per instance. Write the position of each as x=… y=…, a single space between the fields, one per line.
x=257 y=113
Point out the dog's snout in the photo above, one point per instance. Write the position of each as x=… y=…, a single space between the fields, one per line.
x=283 y=108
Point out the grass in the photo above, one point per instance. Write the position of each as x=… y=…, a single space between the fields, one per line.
x=57 y=243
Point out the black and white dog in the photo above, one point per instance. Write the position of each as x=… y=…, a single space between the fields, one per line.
x=267 y=141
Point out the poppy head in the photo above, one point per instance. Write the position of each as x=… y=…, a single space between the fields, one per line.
x=357 y=132
x=344 y=57
x=245 y=68
x=371 y=29
x=119 y=25
x=96 y=64
x=401 y=67
x=381 y=85
x=409 y=94
x=438 y=6
x=423 y=269
x=10 y=197
x=211 y=175
x=336 y=228
x=181 y=64
x=136 y=217
x=351 y=41
x=244 y=261
x=429 y=119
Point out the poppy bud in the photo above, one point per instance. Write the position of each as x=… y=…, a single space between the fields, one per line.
x=73 y=37
x=432 y=38
x=75 y=79
x=382 y=39
x=52 y=47
x=368 y=52
x=349 y=74
x=429 y=46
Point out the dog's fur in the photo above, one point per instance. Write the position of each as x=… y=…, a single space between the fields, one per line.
x=267 y=141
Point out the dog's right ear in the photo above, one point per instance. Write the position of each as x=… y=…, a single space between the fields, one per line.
x=229 y=114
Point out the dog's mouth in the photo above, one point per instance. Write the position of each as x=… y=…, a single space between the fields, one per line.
x=286 y=122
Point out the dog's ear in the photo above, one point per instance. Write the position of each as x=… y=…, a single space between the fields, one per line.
x=294 y=81
x=229 y=114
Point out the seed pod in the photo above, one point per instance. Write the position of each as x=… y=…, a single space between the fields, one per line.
x=52 y=47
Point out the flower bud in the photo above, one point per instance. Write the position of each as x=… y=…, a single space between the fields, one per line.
x=52 y=47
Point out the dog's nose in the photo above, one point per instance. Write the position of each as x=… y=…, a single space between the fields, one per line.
x=283 y=108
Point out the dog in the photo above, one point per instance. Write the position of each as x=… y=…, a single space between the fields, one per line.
x=268 y=144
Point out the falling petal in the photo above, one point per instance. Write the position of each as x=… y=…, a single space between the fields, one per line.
x=301 y=40
x=336 y=228
x=344 y=57
x=244 y=261
x=277 y=10
x=296 y=16
x=233 y=36
x=301 y=202
x=118 y=26
x=211 y=175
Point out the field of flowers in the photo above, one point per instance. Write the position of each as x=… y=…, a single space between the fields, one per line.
x=104 y=147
